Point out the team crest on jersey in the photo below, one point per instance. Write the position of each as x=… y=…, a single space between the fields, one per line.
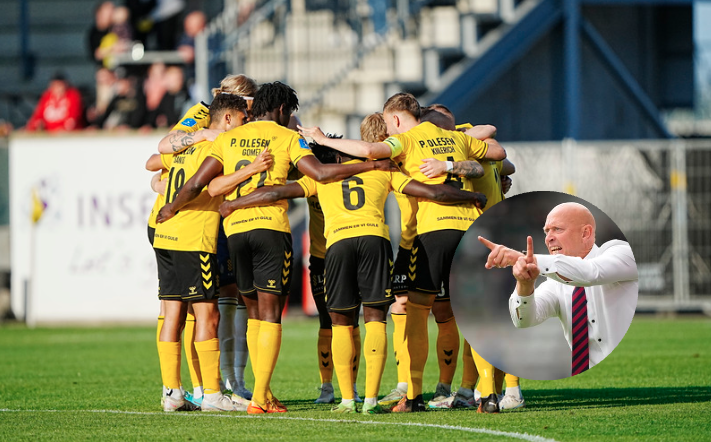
x=271 y=284
x=189 y=122
x=304 y=144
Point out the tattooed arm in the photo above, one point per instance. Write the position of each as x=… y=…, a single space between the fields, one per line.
x=432 y=167
x=179 y=140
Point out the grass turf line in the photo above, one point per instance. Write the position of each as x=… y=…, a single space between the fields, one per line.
x=655 y=386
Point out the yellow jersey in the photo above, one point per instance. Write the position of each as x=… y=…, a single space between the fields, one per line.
x=317 y=240
x=238 y=148
x=196 y=118
x=408 y=219
x=160 y=199
x=429 y=141
x=355 y=206
x=490 y=183
x=194 y=228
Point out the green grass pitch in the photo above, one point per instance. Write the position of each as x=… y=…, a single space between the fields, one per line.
x=104 y=384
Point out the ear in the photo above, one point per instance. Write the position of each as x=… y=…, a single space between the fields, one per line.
x=396 y=120
x=587 y=231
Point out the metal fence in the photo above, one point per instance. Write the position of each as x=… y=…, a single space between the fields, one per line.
x=657 y=192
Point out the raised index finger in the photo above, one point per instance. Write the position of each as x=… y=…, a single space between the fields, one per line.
x=489 y=245
x=529 y=249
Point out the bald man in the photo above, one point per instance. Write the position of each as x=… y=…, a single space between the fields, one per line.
x=592 y=290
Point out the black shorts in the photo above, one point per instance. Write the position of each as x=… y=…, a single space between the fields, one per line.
x=432 y=255
x=186 y=276
x=401 y=282
x=263 y=261
x=224 y=262
x=317 y=267
x=151 y=234
x=358 y=271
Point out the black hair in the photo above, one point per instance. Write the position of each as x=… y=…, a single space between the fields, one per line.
x=328 y=155
x=224 y=102
x=325 y=154
x=271 y=96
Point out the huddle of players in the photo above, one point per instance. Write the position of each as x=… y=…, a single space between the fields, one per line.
x=358 y=259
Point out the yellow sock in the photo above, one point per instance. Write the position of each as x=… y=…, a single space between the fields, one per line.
x=190 y=353
x=402 y=357
x=169 y=355
x=357 y=345
x=498 y=380
x=252 y=338
x=343 y=349
x=447 y=349
x=417 y=345
x=159 y=328
x=325 y=362
x=269 y=346
x=376 y=351
x=209 y=355
x=469 y=373
x=511 y=381
x=486 y=375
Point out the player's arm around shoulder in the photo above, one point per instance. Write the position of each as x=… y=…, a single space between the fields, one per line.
x=443 y=193
x=224 y=184
x=355 y=148
x=326 y=173
x=262 y=196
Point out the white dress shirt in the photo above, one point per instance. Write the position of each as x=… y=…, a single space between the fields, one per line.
x=609 y=275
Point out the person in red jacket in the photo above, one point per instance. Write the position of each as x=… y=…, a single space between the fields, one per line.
x=59 y=108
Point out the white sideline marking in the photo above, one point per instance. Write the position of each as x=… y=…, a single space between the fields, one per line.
x=522 y=436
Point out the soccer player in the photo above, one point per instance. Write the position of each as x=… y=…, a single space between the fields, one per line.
x=358 y=258
x=185 y=247
x=260 y=238
x=439 y=227
x=490 y=184
x=191 y=129
x=317 y=267
x=162 y=163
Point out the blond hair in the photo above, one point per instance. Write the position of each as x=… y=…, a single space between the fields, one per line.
x=373 y=128
x=403 y=102
x=240 y=85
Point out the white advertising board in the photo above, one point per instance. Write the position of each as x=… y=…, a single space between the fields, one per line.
x=88 y=259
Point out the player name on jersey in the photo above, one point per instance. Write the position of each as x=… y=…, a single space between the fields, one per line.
x=251 y=147
x=440 y=145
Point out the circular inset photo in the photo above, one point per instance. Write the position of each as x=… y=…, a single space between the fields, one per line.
x=546 y=285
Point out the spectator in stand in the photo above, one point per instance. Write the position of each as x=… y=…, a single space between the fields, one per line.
x=127 y=110
x=154 y=89
x=102 y=24
x=59 y=108
x=194 y=24
x=120 y=37
x=105 y=90
x=173 y=104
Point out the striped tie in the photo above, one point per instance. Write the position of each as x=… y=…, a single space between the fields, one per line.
x=580 y=359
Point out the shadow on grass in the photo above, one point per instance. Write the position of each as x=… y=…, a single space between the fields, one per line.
x=614 y=397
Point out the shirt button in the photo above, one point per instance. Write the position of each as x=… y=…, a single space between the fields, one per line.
x=599 y=340
x=525 y=302
x=546 y=269
x=593 y=321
